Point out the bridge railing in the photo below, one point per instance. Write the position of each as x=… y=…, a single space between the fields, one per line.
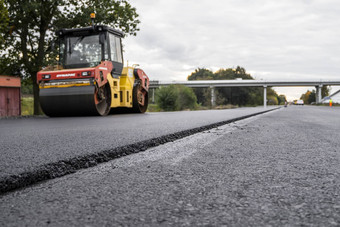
x=318 y=84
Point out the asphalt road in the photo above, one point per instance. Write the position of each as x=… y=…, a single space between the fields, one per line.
x=28 y=143
x=276 y=169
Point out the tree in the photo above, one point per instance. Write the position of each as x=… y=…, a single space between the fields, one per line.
x=312 y=97
x=272 y=97
x=272 y=100
x=281 y=99
x=3 y=21
x=201 y=74
x=26 y=47
x=236 y=96
x=305 y=97
x=325 y=91
x=231 y=74
x=309 y=96
x=201 y=93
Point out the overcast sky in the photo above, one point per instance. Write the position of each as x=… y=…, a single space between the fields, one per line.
x=272 y=40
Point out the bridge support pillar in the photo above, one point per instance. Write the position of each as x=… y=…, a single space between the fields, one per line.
x=318 y=95
x=213 y=101
x=265 y=96
x=153 y=96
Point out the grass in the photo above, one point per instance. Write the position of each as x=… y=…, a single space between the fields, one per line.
x=26 y=105
x=222 y=107
x=153 y=108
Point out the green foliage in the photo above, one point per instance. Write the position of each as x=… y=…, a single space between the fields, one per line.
x=167 y=98
x=4 y=19
x=232 y=74
x=255 y=97
x=202 y=94
x=281 y=99
x=116 y=13
x=222 y=74
x=26 y=106
x=241 y=96
x=176 y=97
x=186 y=98
x=272 y=100
x=310 y=96
x=153 y=108
x=306 y=97
x=201 y=74
x=325 y=91
x=26 y=87
x=26 y=45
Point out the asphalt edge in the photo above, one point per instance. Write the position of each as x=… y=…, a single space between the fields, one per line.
x=65 y=167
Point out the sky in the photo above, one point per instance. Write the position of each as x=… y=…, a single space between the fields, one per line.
x=272 y=40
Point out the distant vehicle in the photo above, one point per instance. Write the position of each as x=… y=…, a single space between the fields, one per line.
x=299 y=102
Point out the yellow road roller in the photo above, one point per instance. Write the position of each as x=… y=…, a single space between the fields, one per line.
x=90 y=78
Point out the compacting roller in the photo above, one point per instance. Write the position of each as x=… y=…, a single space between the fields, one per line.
x=90 y=78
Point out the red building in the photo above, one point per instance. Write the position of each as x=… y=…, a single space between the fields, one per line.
x=10 y=102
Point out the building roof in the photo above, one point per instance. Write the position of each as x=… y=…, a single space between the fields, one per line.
x=10 y=81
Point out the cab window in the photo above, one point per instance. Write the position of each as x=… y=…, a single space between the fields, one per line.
x=115 y=47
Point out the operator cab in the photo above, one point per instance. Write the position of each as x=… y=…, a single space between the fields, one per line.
x=89 y=46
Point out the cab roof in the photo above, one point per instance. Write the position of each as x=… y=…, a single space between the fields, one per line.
x=88 y=31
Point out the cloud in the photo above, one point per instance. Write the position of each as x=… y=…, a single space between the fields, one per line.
x=291 y=39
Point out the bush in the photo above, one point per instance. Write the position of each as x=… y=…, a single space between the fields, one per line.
x=26 y=87
x=186 y=98
x=272 y=100
x=176 y=97
x=166 y=98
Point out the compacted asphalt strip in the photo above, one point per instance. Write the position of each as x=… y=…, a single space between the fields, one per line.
x=37 y=149
x=276 y=169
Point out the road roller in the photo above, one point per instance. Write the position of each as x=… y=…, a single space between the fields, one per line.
x=90 y=78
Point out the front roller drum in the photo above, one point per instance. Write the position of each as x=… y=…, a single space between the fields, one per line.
x=75 y=101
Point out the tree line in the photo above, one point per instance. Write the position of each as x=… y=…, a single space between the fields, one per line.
x=310 y=96
x=236 y=96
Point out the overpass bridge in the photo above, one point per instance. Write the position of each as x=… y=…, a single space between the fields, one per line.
x=318 y=84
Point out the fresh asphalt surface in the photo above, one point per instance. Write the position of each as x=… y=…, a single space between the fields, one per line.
x=28 y=143
x=276 y=169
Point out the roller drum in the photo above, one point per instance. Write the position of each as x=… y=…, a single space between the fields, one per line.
x=68 y=101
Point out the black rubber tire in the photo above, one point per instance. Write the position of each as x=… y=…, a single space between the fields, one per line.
x=104 y=107
x=136 y=107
